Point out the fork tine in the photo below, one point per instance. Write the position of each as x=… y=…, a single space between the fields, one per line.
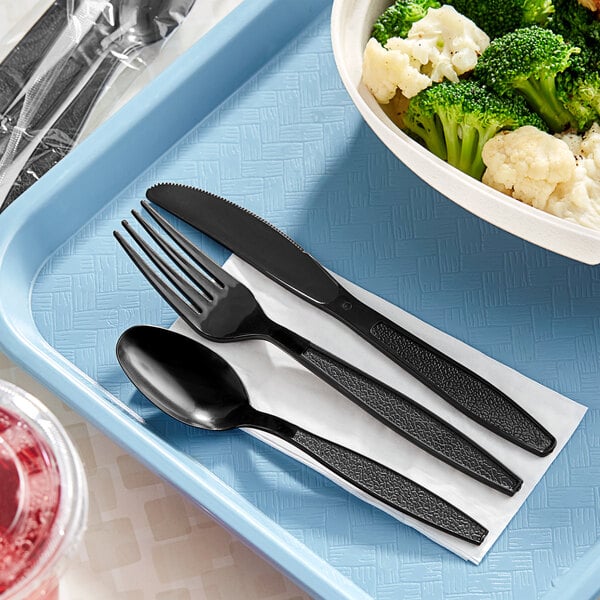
x=195 y=296
x=210 y=288
x=182 y=308
x=211 y=267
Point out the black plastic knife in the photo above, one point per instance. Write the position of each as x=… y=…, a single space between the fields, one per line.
x=276 y=255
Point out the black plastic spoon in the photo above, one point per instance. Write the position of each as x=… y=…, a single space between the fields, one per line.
x=193 y=384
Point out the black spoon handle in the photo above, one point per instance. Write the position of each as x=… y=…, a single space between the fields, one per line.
x=377 y=480
x=22 y=60
x=397 y=411
x=63 y=133
x=469 y=393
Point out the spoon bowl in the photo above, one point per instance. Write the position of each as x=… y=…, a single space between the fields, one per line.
x=183 y=378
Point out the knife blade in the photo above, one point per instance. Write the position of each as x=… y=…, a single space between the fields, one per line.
x=279 y=257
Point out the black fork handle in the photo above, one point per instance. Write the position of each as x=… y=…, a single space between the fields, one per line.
x=378 y=481
x=414 y=422
x=466 y=391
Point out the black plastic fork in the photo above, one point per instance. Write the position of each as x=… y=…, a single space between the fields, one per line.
x=222 y=309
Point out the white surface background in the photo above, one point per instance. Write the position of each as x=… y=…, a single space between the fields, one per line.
x=144 y=539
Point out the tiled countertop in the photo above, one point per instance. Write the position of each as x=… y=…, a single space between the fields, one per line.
x=144 y=539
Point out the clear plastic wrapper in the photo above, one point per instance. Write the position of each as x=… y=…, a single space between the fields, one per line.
x=57 y=68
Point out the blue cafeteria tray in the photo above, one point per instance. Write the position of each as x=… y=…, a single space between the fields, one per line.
x=255 y=111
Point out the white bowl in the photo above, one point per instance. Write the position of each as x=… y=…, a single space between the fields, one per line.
x=351 y=22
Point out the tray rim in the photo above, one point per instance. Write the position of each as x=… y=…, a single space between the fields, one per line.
x=21 y=340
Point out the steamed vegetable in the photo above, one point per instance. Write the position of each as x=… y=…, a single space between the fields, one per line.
x=576 y=23
x=397 y=20
x=443 y=45
x=498 y=17
x=578 y=89
x=528 y=163
x=527 y=61
x=557 y=174
x=455 y=120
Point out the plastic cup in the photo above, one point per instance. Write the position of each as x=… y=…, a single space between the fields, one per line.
x=43 y=498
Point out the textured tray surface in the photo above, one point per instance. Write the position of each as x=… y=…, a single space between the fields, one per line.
x=290 y=146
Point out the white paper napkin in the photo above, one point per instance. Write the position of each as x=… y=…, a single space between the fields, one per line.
x=278 y=384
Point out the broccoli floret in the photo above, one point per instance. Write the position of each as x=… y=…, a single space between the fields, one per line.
x=575 y=23
x=579 y=89
x=397 y=20
x=498 y=17
x=455 y=120
x=527 y=61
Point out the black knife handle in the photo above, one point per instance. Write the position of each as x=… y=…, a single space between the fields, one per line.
x=22 y=60
x=414 y=422
x=63 y=133
x=377 y=480
x=465 y=390
x=417 y=424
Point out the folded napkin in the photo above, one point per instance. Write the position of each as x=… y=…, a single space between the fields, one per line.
x=278 y=384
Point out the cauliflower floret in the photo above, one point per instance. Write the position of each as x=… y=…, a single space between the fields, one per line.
x=528 y=164
x=384 y=72
x=590 y=147
x=442 y=45
x=444 y=42
x=578 y=199
x=558 y=174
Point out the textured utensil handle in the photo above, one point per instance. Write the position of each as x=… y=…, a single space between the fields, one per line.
x=415 y=423
x=468 y=392
x=22 y=60
x=465 y=390
x=390 y=487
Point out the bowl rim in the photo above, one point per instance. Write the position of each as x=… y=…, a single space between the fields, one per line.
x=551 y=232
